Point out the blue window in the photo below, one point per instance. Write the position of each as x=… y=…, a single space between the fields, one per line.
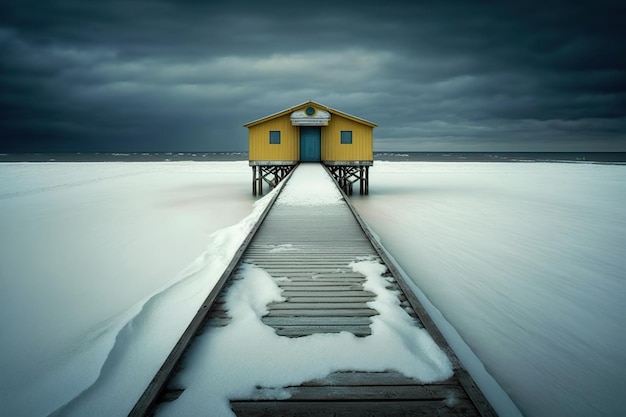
x=274 y=137
x=346 y=137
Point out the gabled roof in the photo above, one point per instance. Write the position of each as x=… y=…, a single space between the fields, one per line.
x=310 y=103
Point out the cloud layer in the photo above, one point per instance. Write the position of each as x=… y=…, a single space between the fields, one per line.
x=186 y=75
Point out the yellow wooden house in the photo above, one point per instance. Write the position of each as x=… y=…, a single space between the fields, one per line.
x=311 y=132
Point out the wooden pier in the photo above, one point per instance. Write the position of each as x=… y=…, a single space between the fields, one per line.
x=324 y=295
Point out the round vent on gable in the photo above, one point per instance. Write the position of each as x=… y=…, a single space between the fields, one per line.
x=310 y=116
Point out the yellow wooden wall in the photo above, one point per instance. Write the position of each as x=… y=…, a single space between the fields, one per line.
x=259 y=146
x=361 y=148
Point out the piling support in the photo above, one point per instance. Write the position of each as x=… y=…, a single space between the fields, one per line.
x=270 y=172
x=254 y=191
x=346 y=175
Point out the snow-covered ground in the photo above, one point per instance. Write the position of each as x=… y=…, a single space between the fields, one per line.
x=90 y=255
x=525 y=260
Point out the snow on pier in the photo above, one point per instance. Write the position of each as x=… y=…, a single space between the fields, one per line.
x=313 y=315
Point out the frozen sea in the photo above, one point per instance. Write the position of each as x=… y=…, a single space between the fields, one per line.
x=525 y=260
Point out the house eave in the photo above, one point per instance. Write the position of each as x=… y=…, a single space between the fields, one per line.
x=308 y=103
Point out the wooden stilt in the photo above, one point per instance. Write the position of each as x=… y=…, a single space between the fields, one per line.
x=270 y=174
x=254 y=180
x=361 y=190
x=346 y=175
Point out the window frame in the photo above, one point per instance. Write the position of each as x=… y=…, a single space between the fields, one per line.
x=343 y=137
x=274 y=137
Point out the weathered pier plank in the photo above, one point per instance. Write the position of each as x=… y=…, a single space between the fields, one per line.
x=371 y=407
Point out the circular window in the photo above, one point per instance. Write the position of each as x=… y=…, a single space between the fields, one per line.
x=310 y=111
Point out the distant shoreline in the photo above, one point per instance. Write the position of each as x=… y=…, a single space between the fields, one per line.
x=122 y=156
x=571 y=157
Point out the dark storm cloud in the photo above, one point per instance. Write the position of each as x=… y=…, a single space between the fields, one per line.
x=185 y=75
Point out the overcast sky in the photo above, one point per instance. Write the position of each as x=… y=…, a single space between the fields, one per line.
x=127 y=75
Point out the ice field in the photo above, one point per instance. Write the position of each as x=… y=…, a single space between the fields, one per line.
x=526 y=261
x=102 y=264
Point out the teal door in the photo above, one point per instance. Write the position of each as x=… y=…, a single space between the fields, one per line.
x=310 y=143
